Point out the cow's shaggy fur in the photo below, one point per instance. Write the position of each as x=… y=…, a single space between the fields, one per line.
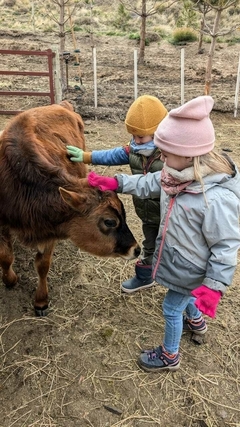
x=45 y=197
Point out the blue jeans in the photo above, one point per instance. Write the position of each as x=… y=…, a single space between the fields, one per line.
x=174 y=305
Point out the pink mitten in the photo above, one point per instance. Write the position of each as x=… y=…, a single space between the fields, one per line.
x=207 y=300
x=102 y=182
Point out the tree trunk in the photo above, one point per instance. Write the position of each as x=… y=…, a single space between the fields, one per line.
x=142 y=33
x=201 y=35
x=91 y=24
x=208 y=76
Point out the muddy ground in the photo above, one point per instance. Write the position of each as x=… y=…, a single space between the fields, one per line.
x=77 y=367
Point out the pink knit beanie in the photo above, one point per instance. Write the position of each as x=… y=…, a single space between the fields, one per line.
x=187 y=130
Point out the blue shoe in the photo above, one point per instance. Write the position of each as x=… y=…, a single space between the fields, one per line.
x=196 y=326
x=142 y=280
x=157 y=359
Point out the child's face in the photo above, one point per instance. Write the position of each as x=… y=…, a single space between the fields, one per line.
x=176 y=162
x=142 y=139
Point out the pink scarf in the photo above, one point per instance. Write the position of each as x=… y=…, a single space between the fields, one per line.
x=172 y=185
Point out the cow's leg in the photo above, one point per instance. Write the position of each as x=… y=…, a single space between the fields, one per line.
x=42 y=265
x=6 y=258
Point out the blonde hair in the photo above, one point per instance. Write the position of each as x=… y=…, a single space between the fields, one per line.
x=217 y=163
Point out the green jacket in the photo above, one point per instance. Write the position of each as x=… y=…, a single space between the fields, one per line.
x=148 y=210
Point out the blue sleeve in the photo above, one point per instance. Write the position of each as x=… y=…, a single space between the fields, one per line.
x=112 y=157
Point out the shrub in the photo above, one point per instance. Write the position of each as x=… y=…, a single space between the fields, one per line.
x=152 y=37
x=134 y=36
x=9 y=3
x=188 y=16
x=79 y=28
x=184 y=35
x=122 y=19
x=115 y=33
x=234 y=11
x=161 y=32
x=234 y=40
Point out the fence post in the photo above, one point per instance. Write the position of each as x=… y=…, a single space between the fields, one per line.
x=182 y=76
x=237 y=90
x=57 y=78
x=135 y=73
x=95 y=76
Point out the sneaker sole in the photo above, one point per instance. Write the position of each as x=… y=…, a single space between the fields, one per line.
x=156 y=370
x=130 y=291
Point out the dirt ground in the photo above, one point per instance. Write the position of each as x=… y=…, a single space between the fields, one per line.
x=77 y=367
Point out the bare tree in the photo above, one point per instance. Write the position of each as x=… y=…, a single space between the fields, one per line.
x=58 y=15
x=147 y=8
x=203 y=8
x=218 y=6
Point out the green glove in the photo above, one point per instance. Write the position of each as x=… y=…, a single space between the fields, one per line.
x=76 y=153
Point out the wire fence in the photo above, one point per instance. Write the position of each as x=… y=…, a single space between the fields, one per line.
x=112 y=78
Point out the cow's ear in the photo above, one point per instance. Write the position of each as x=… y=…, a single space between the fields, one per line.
x=77 y=201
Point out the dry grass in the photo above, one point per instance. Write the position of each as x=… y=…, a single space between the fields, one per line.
x=78 y=366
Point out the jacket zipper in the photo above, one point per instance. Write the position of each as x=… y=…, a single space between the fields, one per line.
x=172 y=201
x=147 y=162
x=146 y=165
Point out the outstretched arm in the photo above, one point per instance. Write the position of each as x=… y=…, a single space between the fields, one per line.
x=143 y=186
x=78 y=155
x=113 y=157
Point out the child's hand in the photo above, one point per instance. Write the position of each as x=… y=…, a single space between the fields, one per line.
x=207 y=300
x=76 y=153
x=102 y=182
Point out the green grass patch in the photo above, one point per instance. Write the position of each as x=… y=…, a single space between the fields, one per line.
x=115 y=33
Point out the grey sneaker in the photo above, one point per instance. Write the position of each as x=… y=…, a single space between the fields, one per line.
x=157 y=360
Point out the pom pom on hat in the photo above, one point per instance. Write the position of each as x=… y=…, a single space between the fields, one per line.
x=144 y=115
x=187 y=130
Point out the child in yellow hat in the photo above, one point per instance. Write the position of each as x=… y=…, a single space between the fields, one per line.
x=142 y=120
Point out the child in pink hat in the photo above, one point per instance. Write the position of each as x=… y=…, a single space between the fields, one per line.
x=196 y=248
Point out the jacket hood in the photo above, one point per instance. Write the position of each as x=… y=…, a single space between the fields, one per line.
x=231 y=183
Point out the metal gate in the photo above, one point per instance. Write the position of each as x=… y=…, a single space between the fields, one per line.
x=49 y=74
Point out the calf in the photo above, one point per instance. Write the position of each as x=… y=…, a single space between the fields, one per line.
x=44 y=197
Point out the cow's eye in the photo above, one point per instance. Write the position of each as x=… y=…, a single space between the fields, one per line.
x=110 y=223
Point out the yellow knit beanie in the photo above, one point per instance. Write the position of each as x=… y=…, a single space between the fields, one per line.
x=144 y=115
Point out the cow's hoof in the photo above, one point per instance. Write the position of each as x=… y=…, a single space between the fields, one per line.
x=10 y=284
x=41 y=311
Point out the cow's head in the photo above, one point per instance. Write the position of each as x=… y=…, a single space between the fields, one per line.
x=99 y=226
